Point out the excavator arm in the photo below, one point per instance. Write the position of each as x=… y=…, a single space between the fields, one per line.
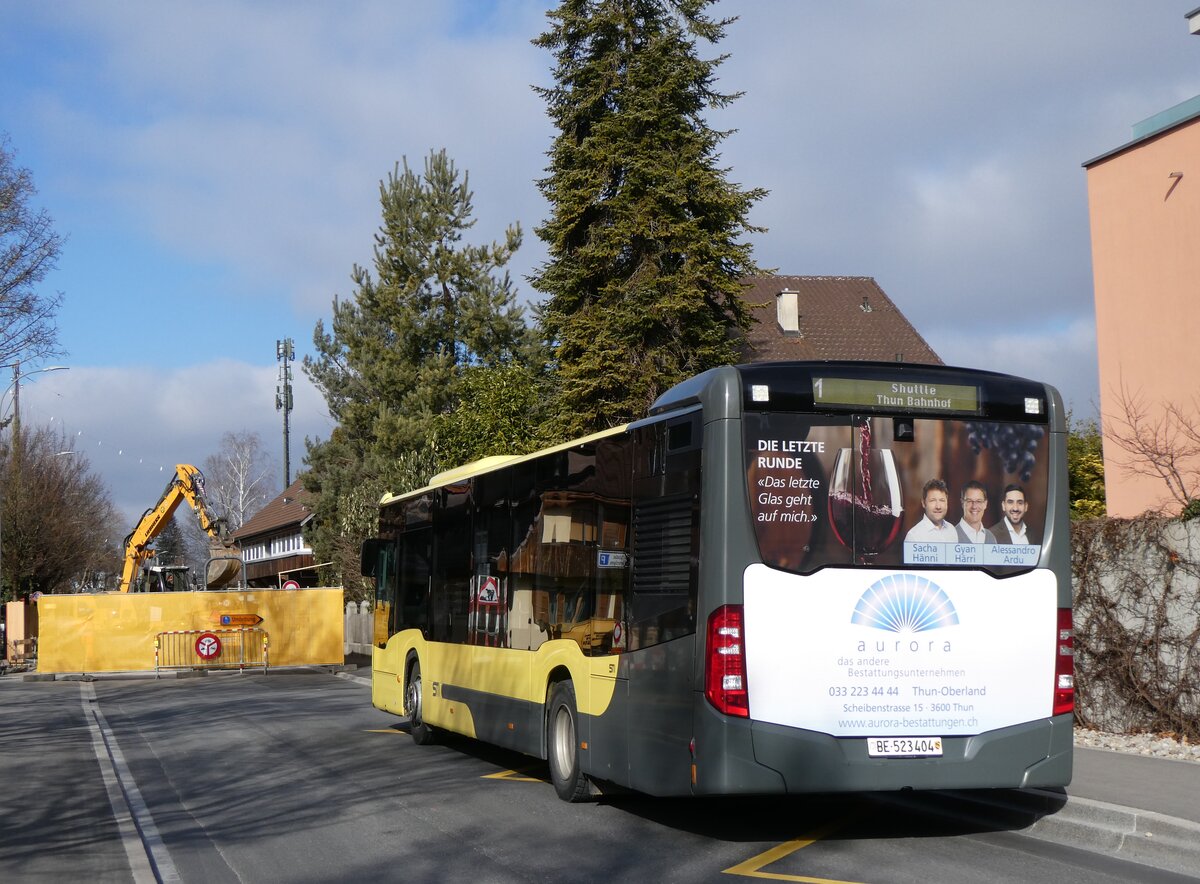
x=188 y=484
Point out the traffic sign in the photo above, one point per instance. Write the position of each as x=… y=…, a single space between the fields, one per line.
x=239 y=619
x=489 y=591
x=208 y=646
x=291 y=584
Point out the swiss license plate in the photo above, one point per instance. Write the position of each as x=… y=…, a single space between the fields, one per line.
x=904 y=747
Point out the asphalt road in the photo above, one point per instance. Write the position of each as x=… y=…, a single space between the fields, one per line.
x=294 y=777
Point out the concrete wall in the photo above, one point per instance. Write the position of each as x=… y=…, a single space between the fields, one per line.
x=1145 y=228
x=1137 y=626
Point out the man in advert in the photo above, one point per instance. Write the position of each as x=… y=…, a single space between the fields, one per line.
x=974 y=505
x=1013 y=529
x=935 y=497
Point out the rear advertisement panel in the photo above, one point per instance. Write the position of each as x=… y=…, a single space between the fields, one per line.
x=951 y=628
x=864 y=652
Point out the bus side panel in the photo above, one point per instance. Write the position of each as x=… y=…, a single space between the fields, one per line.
x=387 y=676
x=607 y=734
x=499 y=694
x=481 y=711
x=660 y=716
x=505 y=721
x=725 y=759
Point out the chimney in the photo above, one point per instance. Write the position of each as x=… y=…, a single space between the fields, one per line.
x=787 y=312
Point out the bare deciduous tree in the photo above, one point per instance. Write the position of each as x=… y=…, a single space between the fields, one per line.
x=29 y=249
x=1160 y=440
x=240 y=479
x=60 y=532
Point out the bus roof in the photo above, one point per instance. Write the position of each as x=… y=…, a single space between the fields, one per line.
x=494 y=462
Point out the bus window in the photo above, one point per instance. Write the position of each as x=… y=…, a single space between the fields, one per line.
x=883 y=491
x=414 y=581
x=490 y=601
x=522 y=565
x=452 y=565
x=565 y=586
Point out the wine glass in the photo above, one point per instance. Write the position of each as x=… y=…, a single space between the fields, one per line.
x=865 y=503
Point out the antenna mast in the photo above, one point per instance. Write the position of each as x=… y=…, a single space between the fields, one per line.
x=284 y=354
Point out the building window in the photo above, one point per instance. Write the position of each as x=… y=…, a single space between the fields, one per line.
x=276 y=547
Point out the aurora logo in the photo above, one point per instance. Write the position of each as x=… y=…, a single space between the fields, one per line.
x=904 y=603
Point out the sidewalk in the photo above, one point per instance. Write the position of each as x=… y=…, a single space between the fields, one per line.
x=1157 y=784
x=1137 y=808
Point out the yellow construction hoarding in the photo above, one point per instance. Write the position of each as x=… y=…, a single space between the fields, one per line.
x=112 y=632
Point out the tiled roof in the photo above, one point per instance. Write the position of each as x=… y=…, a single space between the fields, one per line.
x=291 y=508
x=840 y=317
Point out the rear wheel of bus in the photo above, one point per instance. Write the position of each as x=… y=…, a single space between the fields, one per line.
x=562 y=743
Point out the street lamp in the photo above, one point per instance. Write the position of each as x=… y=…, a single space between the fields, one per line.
x=15 y=389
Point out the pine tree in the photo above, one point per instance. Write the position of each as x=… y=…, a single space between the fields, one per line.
x=170 y=547
x=394 y=354
x=646 y=234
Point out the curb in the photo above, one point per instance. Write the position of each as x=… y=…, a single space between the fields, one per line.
x=1141 y=836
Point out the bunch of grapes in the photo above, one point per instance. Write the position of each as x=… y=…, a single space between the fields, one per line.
x=1014 y=444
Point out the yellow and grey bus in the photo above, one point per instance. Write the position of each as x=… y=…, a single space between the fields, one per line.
x=788 y=577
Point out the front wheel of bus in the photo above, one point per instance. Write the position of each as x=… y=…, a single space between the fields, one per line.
x=422 y=733
x=562 y=741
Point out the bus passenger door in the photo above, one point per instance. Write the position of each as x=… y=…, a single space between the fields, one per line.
x=379 y=561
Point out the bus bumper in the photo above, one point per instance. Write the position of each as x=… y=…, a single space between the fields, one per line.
x=762 y=758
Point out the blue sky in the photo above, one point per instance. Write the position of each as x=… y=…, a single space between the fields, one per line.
x=215 y=168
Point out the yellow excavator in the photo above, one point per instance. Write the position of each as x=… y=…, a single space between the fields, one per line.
x=224 y=564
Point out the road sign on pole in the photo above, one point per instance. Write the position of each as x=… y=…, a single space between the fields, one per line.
x=208 y=646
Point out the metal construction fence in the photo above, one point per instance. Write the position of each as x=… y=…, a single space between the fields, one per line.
x=211 y=649
x=22 y=650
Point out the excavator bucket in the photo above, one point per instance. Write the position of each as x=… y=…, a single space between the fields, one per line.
x=224 y=566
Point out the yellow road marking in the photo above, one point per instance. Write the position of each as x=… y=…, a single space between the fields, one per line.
x=753 y=867
x=386 y=730
x=514 y=775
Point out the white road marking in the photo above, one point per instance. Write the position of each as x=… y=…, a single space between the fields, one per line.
x=148 y=856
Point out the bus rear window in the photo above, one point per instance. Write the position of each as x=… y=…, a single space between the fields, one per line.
x=896 y=491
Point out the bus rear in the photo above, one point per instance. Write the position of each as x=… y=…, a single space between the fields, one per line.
x=884 y=581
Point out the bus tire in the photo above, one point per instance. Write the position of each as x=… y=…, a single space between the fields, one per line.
x=562 y=744
x=422 y=733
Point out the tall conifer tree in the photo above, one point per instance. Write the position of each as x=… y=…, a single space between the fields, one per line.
x=646 y=235
x=395 y=352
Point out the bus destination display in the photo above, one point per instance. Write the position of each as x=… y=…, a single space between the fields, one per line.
x=900 y=395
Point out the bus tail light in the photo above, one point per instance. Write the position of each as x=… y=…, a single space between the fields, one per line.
x=1064 y=664
x=725 y=662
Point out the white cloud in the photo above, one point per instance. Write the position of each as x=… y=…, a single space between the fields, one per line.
x=255 y=137
x=1064 y=357
x=133 y=424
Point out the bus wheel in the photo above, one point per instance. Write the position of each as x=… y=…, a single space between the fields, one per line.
x=562 y=740
x=422 y=733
